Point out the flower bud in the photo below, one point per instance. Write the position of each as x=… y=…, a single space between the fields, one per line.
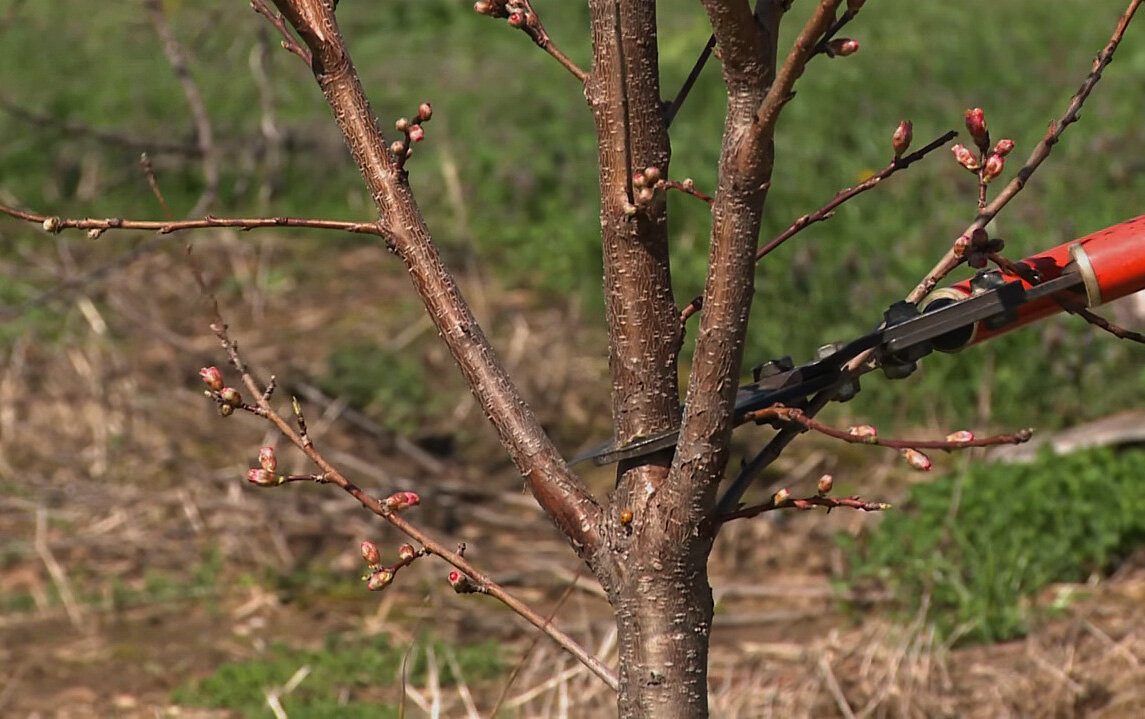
x=842 y=47
x=424 y=112
x=397 y=147
x=900 y=140
x=976 y=125
x=1003 y=147
x=916 y=459
x=212 y=377
x=652 y=174
x=517 y=19
x=94 y=233
x=960 y=436
x=402 y=125
x=993 y=167
x=639 y=179
x=379 y=580
x=262 y=478
x=53 y=225
x=864 y=431
x=231 y=396
x=482 y=7
x=406 y=552
x=781 y=497
x=398 y=501
x=225 y=410
x=370 y=553
x=461 y=583
x=267 y=459
x=965 y=157
x=645 y=195
x=826 y=483
x=416 y=134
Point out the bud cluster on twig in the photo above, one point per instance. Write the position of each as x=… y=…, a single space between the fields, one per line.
x=783 y=500
x=412 y=132
x=649 y=184
x=987 y=163
x=379 y=577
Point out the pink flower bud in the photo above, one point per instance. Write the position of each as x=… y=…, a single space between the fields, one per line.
x=516 y=19
x=416 y=134
x=842 y=47
x=212 y=377
x=262 y=478
x=960 y=436
x=461 y=583
x=406 y=552
x=652 y=174
x=398 y=501
x=1003 y=147
x=639 y=179
x=781 y=497
x=267 y=459
x=402 y=125
x=379 y=580
x=976 y=125
x=904 y=133
x=965 y=157
x=863 y=431
x=424 y=112
x=231 y=396
x=916 y=459
x=826 y=483
x=481 y=7
x=370 y=553
x=993 y=167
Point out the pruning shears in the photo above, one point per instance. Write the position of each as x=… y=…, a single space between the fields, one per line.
x=1085 y=272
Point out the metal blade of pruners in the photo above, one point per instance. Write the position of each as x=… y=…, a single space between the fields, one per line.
x=905 y=335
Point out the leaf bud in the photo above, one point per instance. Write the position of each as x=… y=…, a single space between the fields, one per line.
x=826 y=483
x=976 y=125
x=398 y=501
x=212 y=377
x=993 y=167
x=842 y=47
x=370 y=553
x=916 y=459
x=267 y=459
x=263 y=478
x=902 y=136
x=1003 y=147
x=231 y=396
x=965 y=157
x=379 y=580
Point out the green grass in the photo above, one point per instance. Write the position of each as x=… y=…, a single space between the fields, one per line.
x=345 y=667
x=1016 y=529
x=516 y=128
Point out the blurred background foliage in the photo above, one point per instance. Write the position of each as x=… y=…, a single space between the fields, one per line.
x=507 y=174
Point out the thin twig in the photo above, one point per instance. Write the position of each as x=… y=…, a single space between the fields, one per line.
x=778 y=501
x=177 y=58
x=827 y=211
x=521 y=15
x=54 y=224
x=1041 y=151
x=289 y=42
x=378 y=507
x=798 y=416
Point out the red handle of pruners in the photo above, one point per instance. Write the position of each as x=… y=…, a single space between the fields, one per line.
x=1110 y=262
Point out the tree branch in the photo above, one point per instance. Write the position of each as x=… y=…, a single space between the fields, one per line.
x=559 y=492
x=1040 y=152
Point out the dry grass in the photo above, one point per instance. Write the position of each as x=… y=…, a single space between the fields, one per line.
x=133 y=556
